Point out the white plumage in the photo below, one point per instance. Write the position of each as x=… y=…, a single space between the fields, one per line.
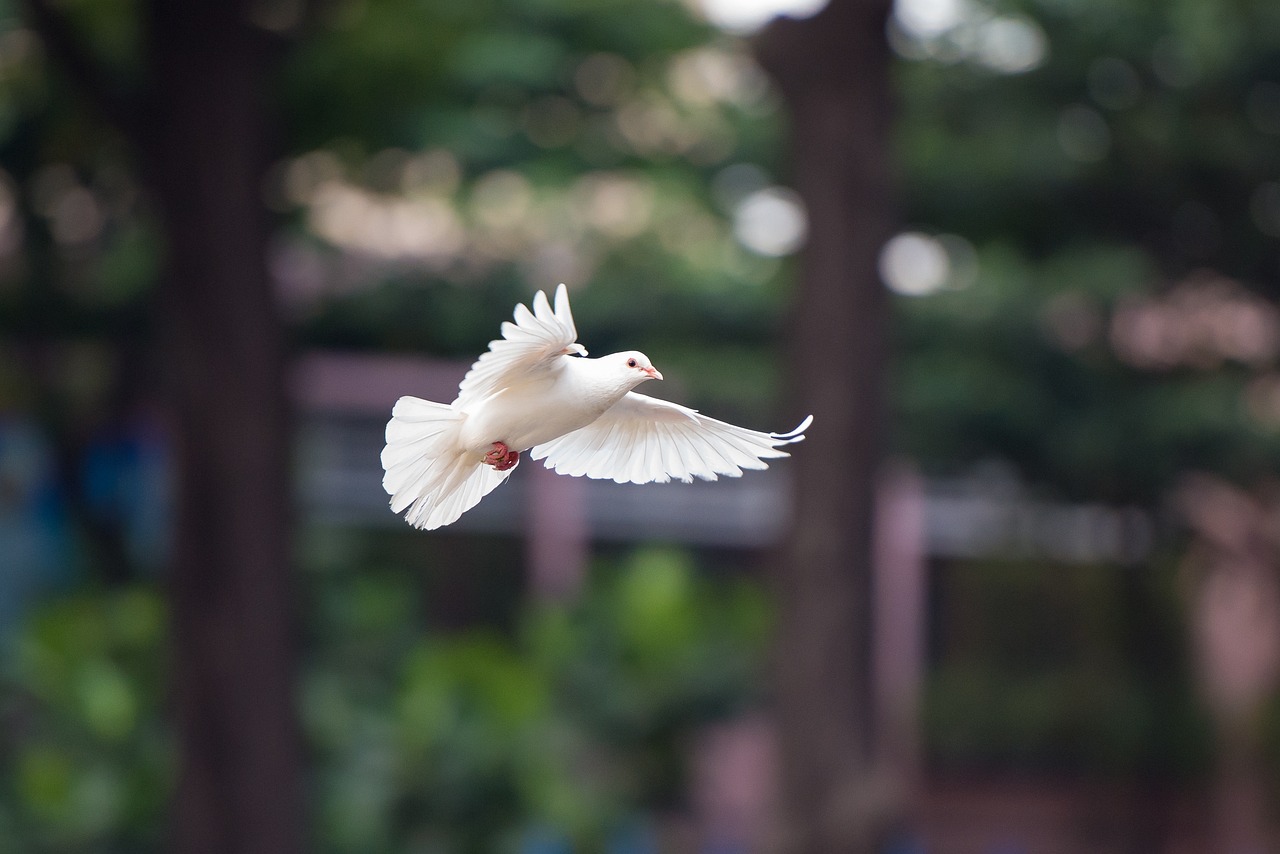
x=533 y=390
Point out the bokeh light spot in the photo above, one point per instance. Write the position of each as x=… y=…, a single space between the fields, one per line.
x=771 y=222
x=1011 y=45
x=914 y=264
x=745 y=16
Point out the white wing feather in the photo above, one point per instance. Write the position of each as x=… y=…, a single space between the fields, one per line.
x=528 y=346
x=643 y=439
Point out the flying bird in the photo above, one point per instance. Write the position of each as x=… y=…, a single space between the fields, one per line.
x=534 y=391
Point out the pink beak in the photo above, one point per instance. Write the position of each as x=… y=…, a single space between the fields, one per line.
x=652 y=372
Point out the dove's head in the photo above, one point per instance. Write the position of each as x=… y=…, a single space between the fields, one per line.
x=635 y=366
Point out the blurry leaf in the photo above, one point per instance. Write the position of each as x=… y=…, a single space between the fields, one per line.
x=495 y=56
x=106 y=701
x=137 y=618
x=45 y=778
x=654 y=604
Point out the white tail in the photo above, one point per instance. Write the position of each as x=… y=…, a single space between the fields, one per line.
x=426 y=470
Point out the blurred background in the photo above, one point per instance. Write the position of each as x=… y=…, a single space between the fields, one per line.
x=1018 y=591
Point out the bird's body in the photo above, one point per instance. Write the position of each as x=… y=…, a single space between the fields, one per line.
x=572 y=394
x=535 y=390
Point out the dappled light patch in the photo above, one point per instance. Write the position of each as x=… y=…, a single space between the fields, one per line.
x=952 y=31
x=747 y=16
x=771 y=222
x=915 y=264
x=1200 y=323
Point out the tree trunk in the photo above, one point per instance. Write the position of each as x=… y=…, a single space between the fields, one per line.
x=833 y=70
x=201 y=133
x=205 y=138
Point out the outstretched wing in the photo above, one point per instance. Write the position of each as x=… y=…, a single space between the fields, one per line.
x=642 y=439
x=530 y=345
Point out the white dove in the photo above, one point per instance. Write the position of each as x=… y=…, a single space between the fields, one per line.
x=533 y=390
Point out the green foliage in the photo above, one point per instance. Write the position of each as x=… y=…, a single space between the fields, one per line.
x=87 y=753
x=653 y=653
x=1026 y=362
x=575 y=719
x=571 y=141
x=574 y=722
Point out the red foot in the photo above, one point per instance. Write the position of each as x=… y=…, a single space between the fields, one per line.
x=501 y=457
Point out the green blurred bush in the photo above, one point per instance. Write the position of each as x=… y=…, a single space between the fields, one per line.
x=86 y=753
x=574 y=719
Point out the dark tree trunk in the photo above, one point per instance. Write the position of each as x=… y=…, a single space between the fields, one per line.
x=833 y=70
x=201 y=131
x=205 y=134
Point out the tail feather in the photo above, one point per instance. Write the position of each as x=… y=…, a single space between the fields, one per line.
x=401 y=451
x=417 y=479
x=426 y=473
x=417 y=421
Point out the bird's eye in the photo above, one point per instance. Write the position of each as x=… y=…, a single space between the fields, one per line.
x=631 y=363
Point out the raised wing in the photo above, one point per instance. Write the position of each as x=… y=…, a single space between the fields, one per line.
x=531 y=344
x=642 y=439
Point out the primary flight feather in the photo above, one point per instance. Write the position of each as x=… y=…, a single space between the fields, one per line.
x=534 y=390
